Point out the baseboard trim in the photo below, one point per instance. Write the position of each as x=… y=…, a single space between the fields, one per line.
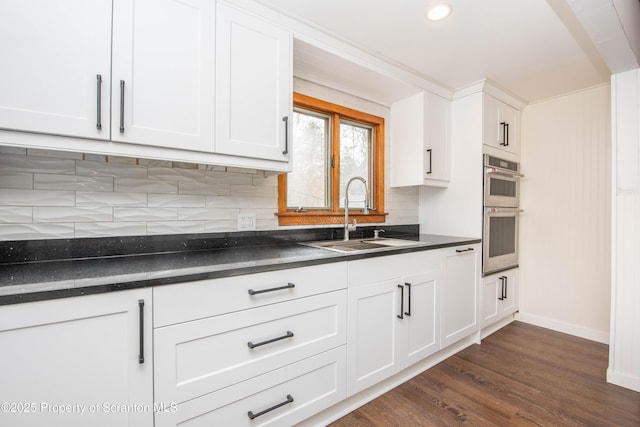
x=622 y=380
x=494 y=327
x=567 y=328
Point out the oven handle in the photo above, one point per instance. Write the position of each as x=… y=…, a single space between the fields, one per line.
x=496 y=210
x=496 y=171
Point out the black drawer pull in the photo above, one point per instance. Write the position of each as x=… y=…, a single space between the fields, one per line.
x=99 y=101
x=141 y=323
x=121 y=106
x=408 y=285
x=401 y=315
x=279 y=288
x=289 y=334
x=464 y=250
x=276 y=406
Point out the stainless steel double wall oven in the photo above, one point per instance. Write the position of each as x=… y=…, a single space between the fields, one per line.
x=501 y=214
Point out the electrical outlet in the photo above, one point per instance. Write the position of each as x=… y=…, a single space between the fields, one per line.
x=246 y=221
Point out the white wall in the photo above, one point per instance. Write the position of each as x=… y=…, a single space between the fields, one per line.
x=624 y=354
x=565 y=228
x=52 y=194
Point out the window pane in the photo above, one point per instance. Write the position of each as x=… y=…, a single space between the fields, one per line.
x=307 y=184
x=355 y=160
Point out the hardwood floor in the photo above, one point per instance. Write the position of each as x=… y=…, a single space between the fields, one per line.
x=521 y=375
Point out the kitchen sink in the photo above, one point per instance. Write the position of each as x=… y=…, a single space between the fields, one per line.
x=364 y=245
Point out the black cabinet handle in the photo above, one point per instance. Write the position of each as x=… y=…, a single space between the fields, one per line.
x=504 y=134
x=99 y=100
x=276 y=406
x=141 y=312
x=503 y=282
x=401 y=315
x=464 y=250
x=289 y=334
x=430 y=151
x=279 y=288
x=507 y=144
x=121 y=106
x=408 y=312
x=506 y=286
x=285 y=119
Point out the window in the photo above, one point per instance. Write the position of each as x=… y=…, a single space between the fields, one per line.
x=331 y=145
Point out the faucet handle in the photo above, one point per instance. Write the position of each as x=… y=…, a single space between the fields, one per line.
x=352 y=227
x=376 y=233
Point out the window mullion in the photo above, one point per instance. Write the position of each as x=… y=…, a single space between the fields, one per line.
x=335 y=170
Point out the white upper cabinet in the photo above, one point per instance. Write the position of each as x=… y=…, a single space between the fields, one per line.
x=501 y=128
x=56 y=61
x=163 y=73
x=420 y=141
x=254 y=86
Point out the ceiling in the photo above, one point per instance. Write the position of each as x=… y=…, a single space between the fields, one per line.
x=535 y=49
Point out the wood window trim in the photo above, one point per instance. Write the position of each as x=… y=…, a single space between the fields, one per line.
x=335 y=215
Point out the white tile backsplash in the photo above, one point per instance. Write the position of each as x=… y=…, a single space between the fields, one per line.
x=145 y=186
x=145 y=214
x=16 y=214
x=12 y=179
x=37 y=164
x=72 y=214
x=112 y=169
x=176 y=200
x=111 y=199
x=107 y=229
x=17 y=197
x=48 y=181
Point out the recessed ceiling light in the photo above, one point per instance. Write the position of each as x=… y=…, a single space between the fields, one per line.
x=438 y=11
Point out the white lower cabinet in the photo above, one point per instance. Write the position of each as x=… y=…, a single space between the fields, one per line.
x=272 y=344
x=460 y=294
x=499 y=296
x=82 y=361
x=393 y=322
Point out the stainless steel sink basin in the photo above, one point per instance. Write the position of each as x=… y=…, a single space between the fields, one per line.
x=363 y=245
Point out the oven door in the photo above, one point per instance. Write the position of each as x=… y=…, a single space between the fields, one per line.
x=500 y=242
x=501 y=189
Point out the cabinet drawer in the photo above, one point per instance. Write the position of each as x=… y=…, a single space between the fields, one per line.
x=195 y=358
x=371 y=270
x=313 y=385
x=205 y=298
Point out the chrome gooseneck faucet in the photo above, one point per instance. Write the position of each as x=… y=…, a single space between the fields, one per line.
x=350 y=227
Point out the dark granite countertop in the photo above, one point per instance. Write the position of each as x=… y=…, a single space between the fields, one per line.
x=48 y=270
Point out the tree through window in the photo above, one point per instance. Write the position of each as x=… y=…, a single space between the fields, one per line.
x=330 y=145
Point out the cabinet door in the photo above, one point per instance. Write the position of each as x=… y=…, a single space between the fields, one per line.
x=83 y=352
x=491 y=289
x=420 y=142
x=500 y=296
x=437 y=154
x=253 y=86
x=163 y=73
x=421 y=317
x=511 y=117
x=373 y=334
x=56 y=61
x=460 y=292
x=509 y=301
x=501 y=126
